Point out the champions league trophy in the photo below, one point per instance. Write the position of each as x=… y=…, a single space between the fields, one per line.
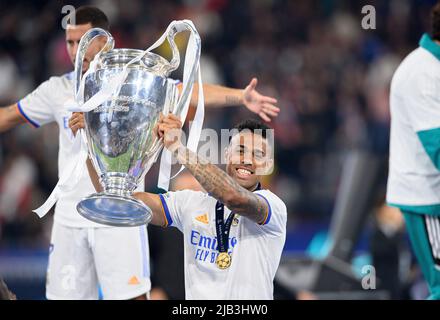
x=125 y=91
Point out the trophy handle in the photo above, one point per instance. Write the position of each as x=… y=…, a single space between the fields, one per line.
x=84 y=43
x=175 y=28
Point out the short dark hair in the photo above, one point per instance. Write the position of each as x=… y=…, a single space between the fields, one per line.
x=92 y=15
x=252 y=125
x=435 y=22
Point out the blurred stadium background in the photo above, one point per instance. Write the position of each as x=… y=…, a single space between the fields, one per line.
x=331 y=78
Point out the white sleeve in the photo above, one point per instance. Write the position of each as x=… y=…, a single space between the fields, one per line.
x=176 y=204
x=422 y=101
x=36 y=106
x=276 y=220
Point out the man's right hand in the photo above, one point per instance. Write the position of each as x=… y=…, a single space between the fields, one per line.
x=76 y=122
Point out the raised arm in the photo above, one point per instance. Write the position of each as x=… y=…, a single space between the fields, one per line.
x=10 y=117
x=219 y=96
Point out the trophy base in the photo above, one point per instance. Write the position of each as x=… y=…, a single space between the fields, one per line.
x=114 y=210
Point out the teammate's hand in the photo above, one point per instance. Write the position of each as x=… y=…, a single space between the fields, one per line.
x=262 y=105
x=170 y=128
x=76 y=122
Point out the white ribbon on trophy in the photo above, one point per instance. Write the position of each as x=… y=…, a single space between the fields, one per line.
x=71 y=174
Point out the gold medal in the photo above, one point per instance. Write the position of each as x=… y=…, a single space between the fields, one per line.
x=223 y=260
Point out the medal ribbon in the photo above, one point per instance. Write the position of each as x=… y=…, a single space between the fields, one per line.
x=223 y=228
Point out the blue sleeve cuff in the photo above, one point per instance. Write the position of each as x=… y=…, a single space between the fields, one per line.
x=168 y=219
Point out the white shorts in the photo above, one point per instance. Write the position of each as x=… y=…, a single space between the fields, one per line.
x=83 y=259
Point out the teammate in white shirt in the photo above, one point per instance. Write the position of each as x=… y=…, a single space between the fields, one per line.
x=414 y=171
x=84 y=254
x=227 y=256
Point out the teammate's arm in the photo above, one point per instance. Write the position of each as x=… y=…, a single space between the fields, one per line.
x=9 y=117
x=218 y=96
x=222 y=187
x=214 y=180
x=150 y=199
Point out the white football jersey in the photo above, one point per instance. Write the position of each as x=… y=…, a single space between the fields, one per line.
x=255 y=249
x=414 y=179
x=48 y=103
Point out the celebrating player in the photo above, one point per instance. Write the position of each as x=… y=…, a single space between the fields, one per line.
x=83 y=253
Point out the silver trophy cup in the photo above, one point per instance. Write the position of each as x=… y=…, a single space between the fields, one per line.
x=120 y=133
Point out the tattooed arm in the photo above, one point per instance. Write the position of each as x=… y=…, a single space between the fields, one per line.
x=9 y=117
x=5 y=294
x=222 y=187
x=218 y=96
x=214 y=180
